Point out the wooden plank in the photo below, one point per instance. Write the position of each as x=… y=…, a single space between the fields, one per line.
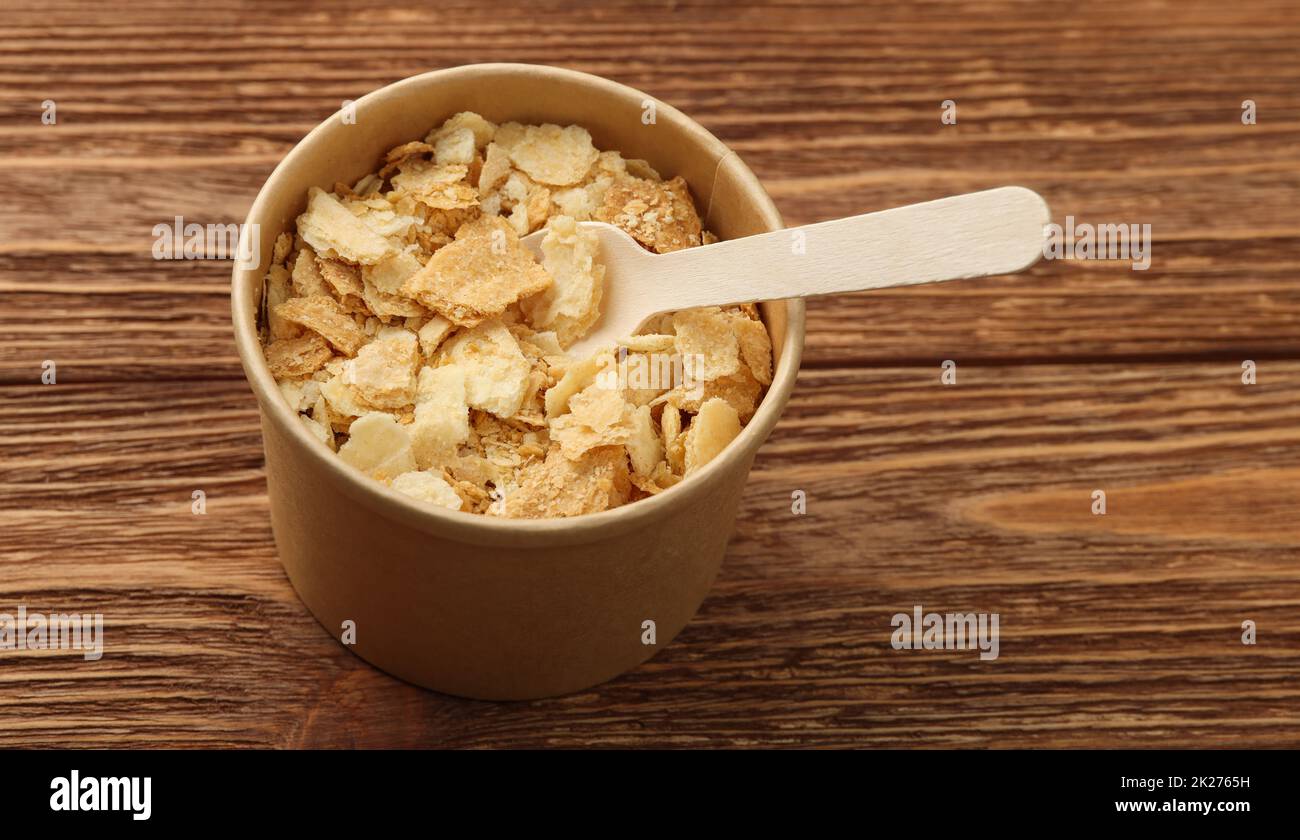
x=836 y=107
x=141 y=194
x=118 y=317
x=1118 y=630
x=1121 y=629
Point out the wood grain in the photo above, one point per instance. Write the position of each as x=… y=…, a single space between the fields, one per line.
x=1117 y=630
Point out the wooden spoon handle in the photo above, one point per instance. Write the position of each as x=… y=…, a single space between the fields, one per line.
x=999 y=231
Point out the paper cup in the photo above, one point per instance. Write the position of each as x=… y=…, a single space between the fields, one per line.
x=480 y=606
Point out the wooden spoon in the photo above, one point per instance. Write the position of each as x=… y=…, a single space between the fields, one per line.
x=999 y=231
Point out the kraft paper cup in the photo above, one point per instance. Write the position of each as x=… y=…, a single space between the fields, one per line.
x=485 y=607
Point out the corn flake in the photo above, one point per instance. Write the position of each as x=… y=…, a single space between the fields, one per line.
x=345 y=403
x=306 y=279
x=378 y=446
x=712 y=429
x=291 y=358
x=553 y=155
x=428 y=487
x=561 y=486
x=332 y=229
x=576 y=378
x=326 y=317
x=644 y=448
x=441 y=416
x=661 y=216
x=432 y=333
x=278 y=289
x=383 y=372
x=343 y=279
x=597 y=417
x=457 y=147
x=755 y=346
x=482 y=129
x=496 y=371
x=572 y=304
x=496 y=168
x=707 y=333
x=476 y=277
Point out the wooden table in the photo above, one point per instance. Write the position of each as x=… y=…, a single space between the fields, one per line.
x=1122 y=629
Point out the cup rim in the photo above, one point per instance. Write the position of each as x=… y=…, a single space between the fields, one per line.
x=500 y=531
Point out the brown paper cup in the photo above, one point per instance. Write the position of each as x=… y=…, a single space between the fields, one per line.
x=478 y=606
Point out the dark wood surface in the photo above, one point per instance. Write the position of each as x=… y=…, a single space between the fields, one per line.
x=1117 y=630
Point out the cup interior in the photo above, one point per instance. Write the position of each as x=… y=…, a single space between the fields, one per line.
x=732 y=203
